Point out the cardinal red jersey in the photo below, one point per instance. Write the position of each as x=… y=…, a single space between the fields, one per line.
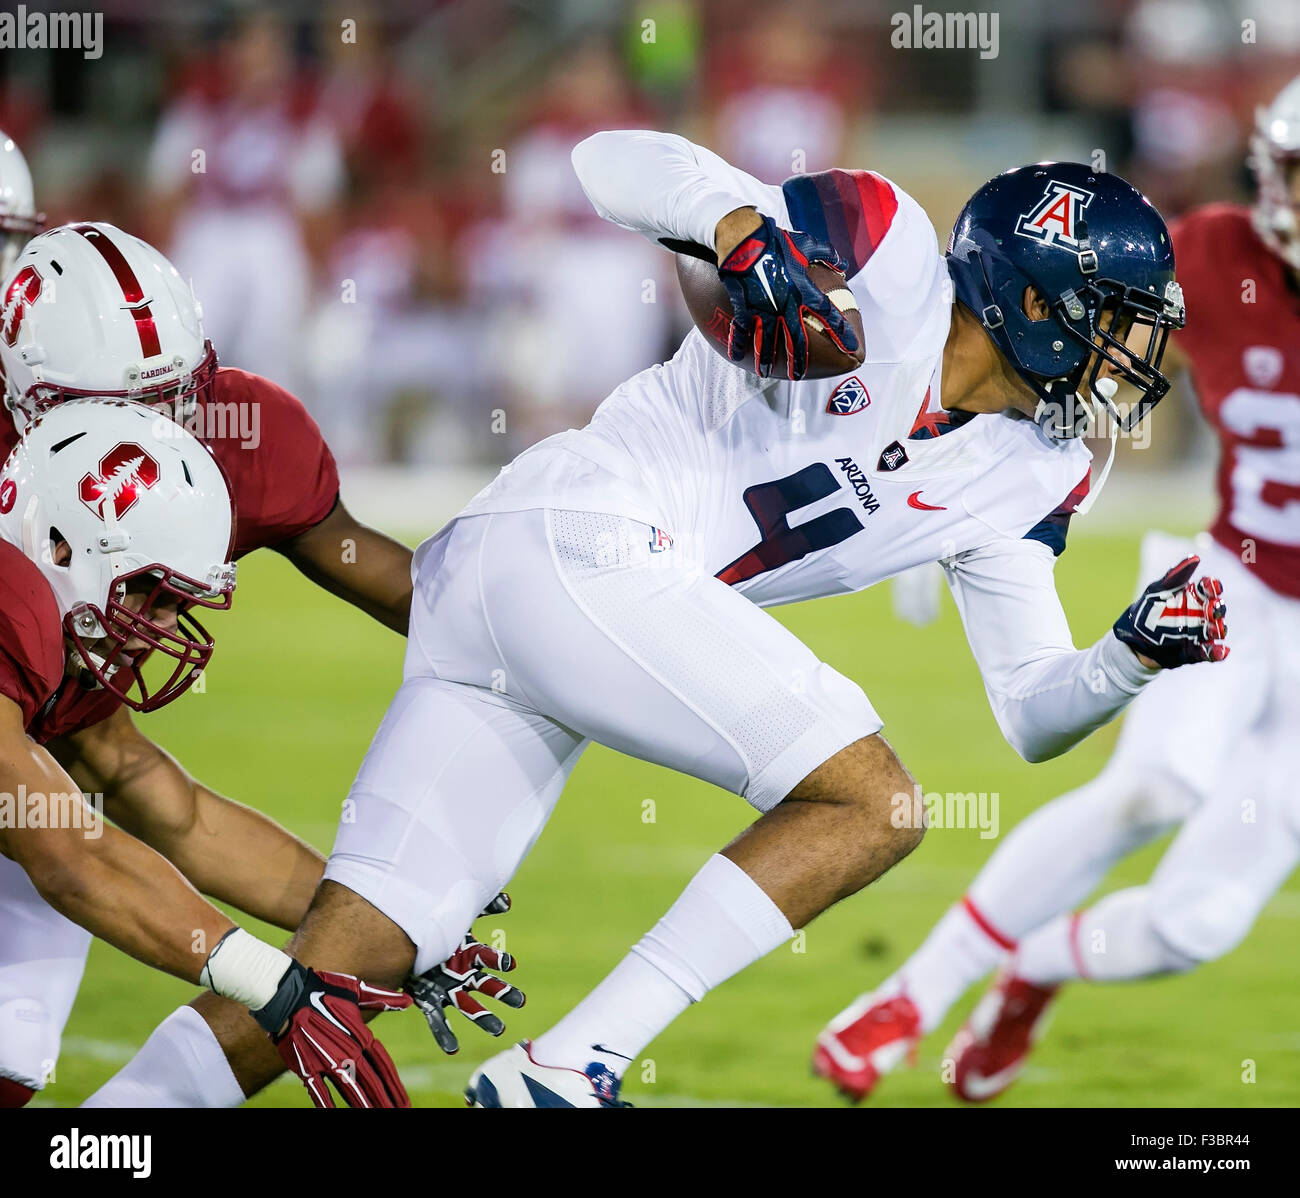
x=282 y=475
x=31 y=634
x=1243 y=340
x=283 y=481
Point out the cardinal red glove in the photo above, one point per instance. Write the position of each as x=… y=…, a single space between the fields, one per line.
x=316 y=1024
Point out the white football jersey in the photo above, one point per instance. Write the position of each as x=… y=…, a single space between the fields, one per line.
x=790 y=491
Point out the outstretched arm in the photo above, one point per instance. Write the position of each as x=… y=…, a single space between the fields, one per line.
x=1047 y=695
x=119 y=889
x=99 y=877
x=357 y=563
x=225 y=849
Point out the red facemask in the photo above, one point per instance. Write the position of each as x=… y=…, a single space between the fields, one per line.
x=100 y=637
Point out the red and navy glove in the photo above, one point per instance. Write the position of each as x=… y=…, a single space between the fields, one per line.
x=1177 y=622
x=766 y=276
x=315 y=1021
x=451 y=985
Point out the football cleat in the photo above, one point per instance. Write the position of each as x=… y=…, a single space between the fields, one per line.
x=989 y=1051
x=866 y=1041
x=513 y=1079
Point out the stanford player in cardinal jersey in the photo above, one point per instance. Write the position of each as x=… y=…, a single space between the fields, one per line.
x=1194 y=745
x=125 y=316
x=113 y=539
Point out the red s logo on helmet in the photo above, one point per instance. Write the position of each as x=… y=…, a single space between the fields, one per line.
x=22 y=294
x=124 y=472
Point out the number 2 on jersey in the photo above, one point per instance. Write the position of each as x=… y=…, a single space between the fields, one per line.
x=1265 y=478
x=771 y=505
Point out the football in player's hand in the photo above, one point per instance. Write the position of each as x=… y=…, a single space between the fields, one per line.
x=710 y=309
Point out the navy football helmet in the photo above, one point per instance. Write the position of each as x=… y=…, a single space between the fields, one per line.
x=1093 y=246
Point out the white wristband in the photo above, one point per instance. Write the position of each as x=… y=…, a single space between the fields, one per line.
x=1122 y=666
x=245 y=968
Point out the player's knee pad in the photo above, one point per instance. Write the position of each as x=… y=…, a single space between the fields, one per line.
x=1201 y=921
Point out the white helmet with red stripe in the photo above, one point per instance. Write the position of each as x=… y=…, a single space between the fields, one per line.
x=19 y=220
x=1274 y=149
x=128 y=517
x=92 y=311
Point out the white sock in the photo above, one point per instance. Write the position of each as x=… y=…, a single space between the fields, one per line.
x=1057 y=856
x=722 y=922
x=180 y=1065
x=955 y=955
x=1112 y=941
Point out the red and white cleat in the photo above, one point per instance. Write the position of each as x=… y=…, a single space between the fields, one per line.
x=990 y=1050
x=866 y=1041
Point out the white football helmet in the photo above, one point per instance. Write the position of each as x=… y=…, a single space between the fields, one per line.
x=1274 y=146
x=92 y=311
x=19 y=220
x=124 y=512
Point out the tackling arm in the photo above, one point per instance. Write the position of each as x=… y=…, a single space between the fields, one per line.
x=1047 y=696
x=122 y=891
x=358 y=564
x=108 y=882
x=225 y=849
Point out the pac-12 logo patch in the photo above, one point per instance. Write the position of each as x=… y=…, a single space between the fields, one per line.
x=1055 y=218
x=1263 y=364
x=849 y=397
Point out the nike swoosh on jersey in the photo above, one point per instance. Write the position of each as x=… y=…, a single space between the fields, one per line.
x=914 y=500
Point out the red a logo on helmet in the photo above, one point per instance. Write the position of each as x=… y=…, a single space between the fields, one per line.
x=1056 y=216
x=124 y=473
x=22 y=294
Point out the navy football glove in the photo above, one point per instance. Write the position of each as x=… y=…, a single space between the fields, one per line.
x=766 y=276
x=1177 y=622
x=450 y=986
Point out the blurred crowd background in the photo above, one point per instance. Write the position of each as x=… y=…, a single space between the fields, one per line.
x=376 y=205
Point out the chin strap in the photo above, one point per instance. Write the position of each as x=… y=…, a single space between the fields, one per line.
x=1104 y=390
x=1067 y=425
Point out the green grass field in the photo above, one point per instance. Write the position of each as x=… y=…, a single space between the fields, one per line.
x=299 y=684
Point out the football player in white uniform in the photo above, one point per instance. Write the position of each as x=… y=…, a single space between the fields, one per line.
x=1212 y=750
x=609 y=584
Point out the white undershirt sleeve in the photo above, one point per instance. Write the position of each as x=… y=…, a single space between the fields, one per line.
x=1046 y=694
x=661 y=185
